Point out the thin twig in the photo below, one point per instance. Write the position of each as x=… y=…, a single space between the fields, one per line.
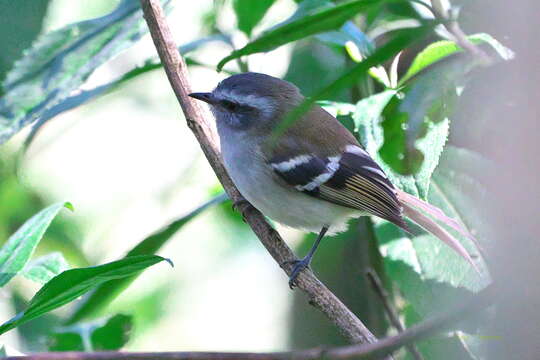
x=383 y=295
x=455 y=30
x=358 y=351
x=198 y=120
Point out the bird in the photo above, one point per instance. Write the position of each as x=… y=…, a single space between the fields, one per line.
x=315 y=176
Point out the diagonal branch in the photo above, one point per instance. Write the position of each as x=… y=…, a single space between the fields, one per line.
x=198 y=121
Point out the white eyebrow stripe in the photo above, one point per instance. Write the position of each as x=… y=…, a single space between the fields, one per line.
x=292 y=163
x=375 y=170
x=354 y=149
x=331 y=169
x=262 y=103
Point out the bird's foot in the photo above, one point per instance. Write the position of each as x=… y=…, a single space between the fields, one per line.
x=298 y=266
x=242 y=206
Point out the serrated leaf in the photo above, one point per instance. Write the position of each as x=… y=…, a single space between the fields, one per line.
x=369 y=110
x=427 y=271
x=107 y=292
x=101 y=335
x=367 y=120
x=73 y=283
x=19 y=248
x=428 y=100
x=59 y=62
x=300 y=26
x=250 y=12
x=45 y=268
x=442 y=49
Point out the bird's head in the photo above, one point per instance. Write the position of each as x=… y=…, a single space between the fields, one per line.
x=251 y=101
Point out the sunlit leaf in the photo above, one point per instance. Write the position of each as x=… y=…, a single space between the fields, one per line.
x=249 y=13
x=59 y=62
x=21 y=245
x=107 y=292
x=45 y=268
x=301 y=26
x=73 y=283
x=442 y=49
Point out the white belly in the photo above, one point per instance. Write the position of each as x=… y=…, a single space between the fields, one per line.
x=257 y=182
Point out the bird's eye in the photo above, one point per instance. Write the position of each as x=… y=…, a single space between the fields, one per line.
x=229 y=105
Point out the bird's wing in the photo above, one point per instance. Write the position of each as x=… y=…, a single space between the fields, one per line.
x=323 y=159
x=348 y=177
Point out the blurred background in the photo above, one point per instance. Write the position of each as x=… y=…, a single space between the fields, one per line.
x=129 y=165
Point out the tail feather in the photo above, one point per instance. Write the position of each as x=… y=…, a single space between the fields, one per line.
x=431 y=226
x=436 y=213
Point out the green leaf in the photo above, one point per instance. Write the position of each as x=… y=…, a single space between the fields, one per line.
x=367 y=120
x=59 y=62
x=83 y=96
x=107 y=292
x=442 y=49
x=71 y=284
x=45 y=268
x=369 y=110
x=400 y=41
x=428 y=272
x=250 y=12
x=100 y=335
x=299 y=26
x=21 y=245
x=426 y=101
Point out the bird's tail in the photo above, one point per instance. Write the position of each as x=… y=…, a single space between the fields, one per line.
x=414 y=208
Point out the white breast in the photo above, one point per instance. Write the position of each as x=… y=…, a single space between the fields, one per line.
x=259 y=184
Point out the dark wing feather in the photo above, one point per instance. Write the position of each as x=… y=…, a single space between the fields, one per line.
x=361 y=184
x=351 y=179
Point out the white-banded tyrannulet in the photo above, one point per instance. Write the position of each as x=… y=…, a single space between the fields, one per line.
x=316 y=175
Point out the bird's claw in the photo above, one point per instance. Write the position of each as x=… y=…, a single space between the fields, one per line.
x=298 y=266
x=241 y=206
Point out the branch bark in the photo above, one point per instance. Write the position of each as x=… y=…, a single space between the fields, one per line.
x=358 y=351
x=197 y=119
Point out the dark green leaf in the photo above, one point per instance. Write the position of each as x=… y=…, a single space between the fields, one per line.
x=301 y=27
x=45 y=268
x=71 y=284
x=59 y=62
x=250 y=12
x=400 y=41
x=100 y=335
x=349 y=33
x=107 y=292
x=21 y=245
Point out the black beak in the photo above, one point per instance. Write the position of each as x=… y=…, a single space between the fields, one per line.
x=206 y=97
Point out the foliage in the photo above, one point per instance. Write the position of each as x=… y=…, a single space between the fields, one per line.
x=349 y=57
